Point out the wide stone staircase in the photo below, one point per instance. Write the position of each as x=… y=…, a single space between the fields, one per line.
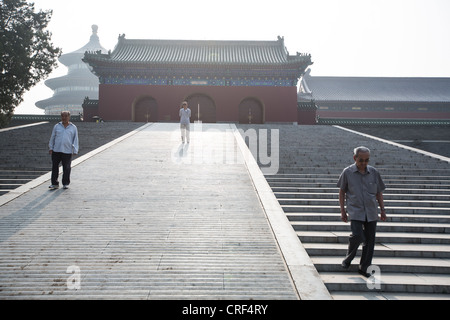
x=412 y=252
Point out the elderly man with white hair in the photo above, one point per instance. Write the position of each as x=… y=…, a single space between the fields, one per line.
x=360 y=188
x=63 y=143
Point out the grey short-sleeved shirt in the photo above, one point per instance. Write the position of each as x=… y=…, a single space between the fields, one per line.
x=361 y=190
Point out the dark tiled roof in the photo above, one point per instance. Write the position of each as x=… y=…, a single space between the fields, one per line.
x=187 y=52
x=376 y=89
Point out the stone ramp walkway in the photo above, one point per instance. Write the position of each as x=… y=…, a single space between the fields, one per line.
x=146 y=218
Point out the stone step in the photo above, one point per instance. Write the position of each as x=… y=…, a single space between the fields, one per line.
x=293 y=166
x=14 y=181
x=414 y=186
x=22 y=175
x=336 y=217
x=410 y=227
x=335 y=190
x=390 y=282
x=392 y=190
x=349 y=295
x=335 y=196
x=387 y=180
x=386 y=264
x=387 y=202
x=8 y=186
x=308 y=185
x=405 y=170
x=381 y=237
x=339 y=157
x=336 y=174
x=332 y=184
x=382 y=250
x=389 y=210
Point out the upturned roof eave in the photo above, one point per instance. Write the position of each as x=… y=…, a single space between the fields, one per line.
x=280 y=58
x=145 y=64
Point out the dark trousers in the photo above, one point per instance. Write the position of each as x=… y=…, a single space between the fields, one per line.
x=66 y=159
x=362 y=232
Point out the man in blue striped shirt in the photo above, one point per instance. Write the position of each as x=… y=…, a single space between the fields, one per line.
x=63 y=143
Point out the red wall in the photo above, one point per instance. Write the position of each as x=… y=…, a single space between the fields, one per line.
x=116 y=101
x=89 y=112
x=307 y=117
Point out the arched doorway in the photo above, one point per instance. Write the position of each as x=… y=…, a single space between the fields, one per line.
x=251 y=111
x=205 y=105
x=146 y=110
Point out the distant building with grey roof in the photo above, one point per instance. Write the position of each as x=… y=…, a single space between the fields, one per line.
x=376 y=97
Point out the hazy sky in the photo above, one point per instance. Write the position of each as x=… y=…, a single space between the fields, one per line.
x=382 y=38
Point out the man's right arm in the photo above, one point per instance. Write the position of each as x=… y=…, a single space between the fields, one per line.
x=342 y=185
x=51 y=143
x=342 y=205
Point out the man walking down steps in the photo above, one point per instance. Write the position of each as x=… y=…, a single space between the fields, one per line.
x=360 y=188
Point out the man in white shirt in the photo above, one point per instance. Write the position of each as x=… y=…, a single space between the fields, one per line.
x=185 y=119
x=63 y=143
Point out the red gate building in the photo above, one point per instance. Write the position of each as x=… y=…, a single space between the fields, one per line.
x=223 y=81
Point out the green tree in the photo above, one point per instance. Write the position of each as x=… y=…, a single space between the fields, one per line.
x=27 y=54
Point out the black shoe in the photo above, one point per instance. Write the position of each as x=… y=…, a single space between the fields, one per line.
x=345 y=265
x=363 y=273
